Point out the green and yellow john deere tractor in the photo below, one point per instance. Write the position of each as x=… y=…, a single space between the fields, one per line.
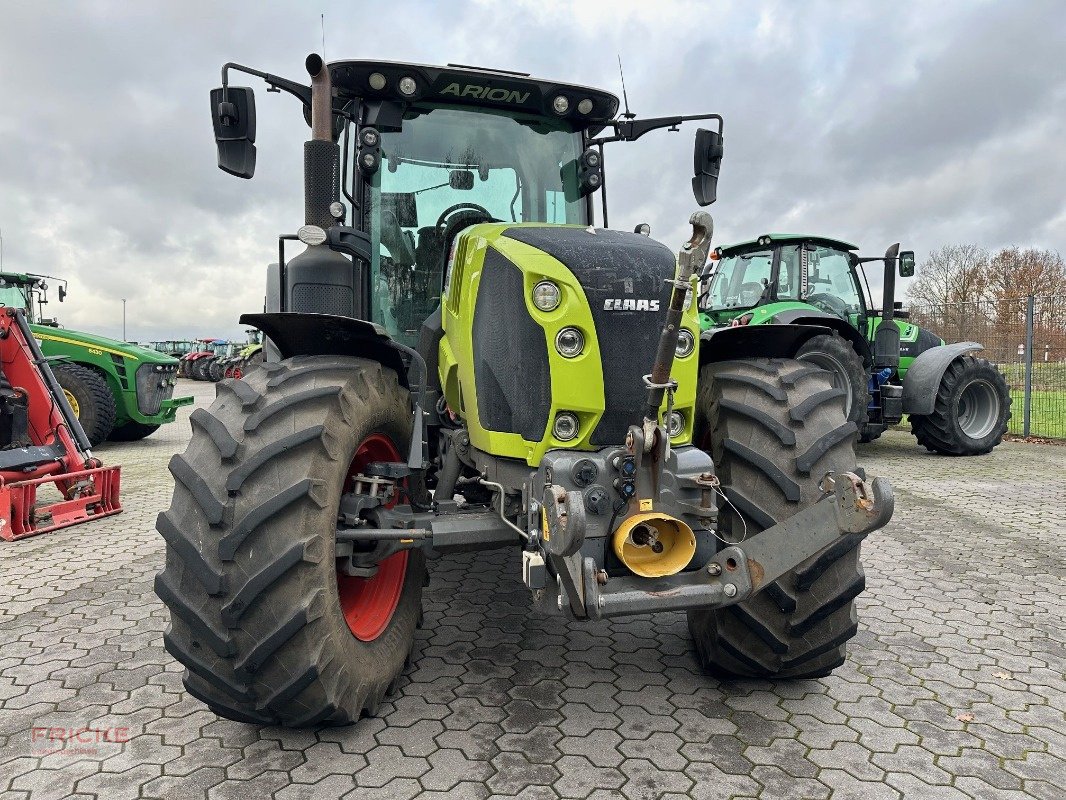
x=118 y=391
x=885 y=367
x=458 y=360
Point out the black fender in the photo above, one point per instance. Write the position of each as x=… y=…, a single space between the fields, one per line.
x=295 y=333
x=843 y=327
x=755 y=341
x=922 y=381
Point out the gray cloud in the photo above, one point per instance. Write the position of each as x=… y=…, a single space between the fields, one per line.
x=927 y=123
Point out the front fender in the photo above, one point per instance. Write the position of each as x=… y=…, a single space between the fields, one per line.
x=923 y=377
x=769 y=340
x=299 y=334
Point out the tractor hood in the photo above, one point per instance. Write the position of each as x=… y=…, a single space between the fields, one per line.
x=102 y=343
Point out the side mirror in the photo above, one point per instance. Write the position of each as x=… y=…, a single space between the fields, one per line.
x=906 y=264
x=461 y=179
x=706 y=164
x=62 y=293
x=233 y=115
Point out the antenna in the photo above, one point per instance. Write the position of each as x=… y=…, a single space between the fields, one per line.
x=625 y=98
x=323 y=19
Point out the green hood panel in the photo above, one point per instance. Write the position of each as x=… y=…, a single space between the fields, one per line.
x=63 y=336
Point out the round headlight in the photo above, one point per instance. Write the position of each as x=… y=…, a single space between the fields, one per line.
x=546 y=296
x=377 y=81
x=585 y=106
x=561 y=104
x=408 y=86
x=566 y=426
x=686 y=343
x=675 y=424
x=570 y=342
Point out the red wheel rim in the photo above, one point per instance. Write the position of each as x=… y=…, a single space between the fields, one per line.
x=237 y=374
x=369 y=603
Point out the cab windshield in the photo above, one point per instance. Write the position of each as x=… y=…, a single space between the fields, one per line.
x=449 y=168
x=739 y=281
x=16 y=296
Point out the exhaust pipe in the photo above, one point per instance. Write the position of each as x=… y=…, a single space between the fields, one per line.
x=654 y=545
x=321 y=154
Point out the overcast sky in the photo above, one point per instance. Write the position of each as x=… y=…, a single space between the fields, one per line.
x=928 y=123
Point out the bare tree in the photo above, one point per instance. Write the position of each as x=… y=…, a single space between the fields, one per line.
x=1015 y=272
x=956 y=273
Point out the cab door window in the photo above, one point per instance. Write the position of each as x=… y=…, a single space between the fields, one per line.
x=831 y=284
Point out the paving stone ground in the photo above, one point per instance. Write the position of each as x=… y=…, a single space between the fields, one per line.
x=954 y=686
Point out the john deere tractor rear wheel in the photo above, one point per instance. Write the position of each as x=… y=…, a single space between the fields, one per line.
x=267 y=629
x=774 y=428
x=971 y=412
x=90 y=399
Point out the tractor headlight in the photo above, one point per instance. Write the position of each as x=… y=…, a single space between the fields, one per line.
x=675 y=424
x=377 y=81
x=566 y=426
x=561 y=104
x=686 y=343
x=408 y=86
x=546 y=296
x=585 y=106
x=570 y=342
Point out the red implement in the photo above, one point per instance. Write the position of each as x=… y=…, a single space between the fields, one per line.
x=41 y=443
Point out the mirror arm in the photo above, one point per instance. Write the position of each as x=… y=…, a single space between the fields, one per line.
x=276 y=83
x=632 y=129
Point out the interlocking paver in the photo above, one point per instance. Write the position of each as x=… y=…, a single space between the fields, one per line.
x=963 y=615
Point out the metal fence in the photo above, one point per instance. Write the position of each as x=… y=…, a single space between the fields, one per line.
x=1026 y=338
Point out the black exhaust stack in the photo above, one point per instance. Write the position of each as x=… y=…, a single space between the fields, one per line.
x=886 y=340
x=321 y=153
x=321 y=280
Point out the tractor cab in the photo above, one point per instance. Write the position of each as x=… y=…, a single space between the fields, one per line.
x=426 y=152
x=30 y=293
x=777 y=271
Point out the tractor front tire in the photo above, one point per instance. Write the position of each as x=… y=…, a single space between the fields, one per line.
x=268 y=630
x=971 y=412
x=90 y=398
x=774 y=428
x=132 y=432
x=833 y=353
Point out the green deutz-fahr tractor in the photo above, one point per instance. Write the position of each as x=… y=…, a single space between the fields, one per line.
x=459 y=360
x=883 y=365
x=117 y=390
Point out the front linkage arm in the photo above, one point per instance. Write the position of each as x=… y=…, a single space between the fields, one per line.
x=849 y=507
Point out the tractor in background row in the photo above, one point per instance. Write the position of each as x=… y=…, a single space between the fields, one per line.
x=460 y=359
x=882 y=365
x=118 y=391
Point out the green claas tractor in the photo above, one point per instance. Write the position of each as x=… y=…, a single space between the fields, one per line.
x=885 y=367
x=460 y=359
x=118 y=391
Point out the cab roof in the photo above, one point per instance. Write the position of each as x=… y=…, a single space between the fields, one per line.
x=775 y=238
x=475 y=86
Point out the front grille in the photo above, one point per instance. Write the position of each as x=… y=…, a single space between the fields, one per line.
x=616 y=266
x=155 y=383
x=511 y=372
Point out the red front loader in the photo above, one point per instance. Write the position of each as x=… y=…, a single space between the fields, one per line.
x=42 y=443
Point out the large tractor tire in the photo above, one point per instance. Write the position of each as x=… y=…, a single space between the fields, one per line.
x=268 y=630
x=90 y=398
x=214 y=370
x=199 y=369
x=834 y=354
x=132 y=432
x=774 y=429
x=971 y=412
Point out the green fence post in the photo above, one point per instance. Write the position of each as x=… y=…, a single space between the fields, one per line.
x=1030 y=311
